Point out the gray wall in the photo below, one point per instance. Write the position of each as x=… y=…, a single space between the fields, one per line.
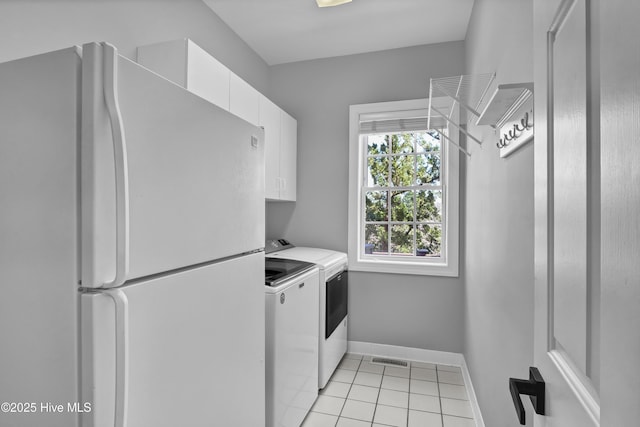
x=37 y=26
x=499 y=220
x=414 y=311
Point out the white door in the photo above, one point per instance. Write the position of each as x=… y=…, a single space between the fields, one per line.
x=566 y=217
x=586 y=231
x=620 y=148
x=195 y=176
x=194 y=352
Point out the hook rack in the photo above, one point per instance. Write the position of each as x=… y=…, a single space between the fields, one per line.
x=516 y=132
x=510 y=100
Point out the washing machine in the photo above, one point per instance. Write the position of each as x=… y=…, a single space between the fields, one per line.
x=291 y=344
x=333 y=300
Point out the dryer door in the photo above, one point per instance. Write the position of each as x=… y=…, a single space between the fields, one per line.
x=337 y=297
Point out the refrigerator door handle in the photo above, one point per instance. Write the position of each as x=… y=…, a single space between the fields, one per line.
x=110 y=87
x=122 y=355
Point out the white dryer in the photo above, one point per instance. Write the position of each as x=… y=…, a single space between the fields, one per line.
x=333 y=284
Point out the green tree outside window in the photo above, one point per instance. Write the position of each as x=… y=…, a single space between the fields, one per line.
x=403 y=194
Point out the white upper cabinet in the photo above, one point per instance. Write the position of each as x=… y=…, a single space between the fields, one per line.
x=270 y=121
x=288 y=153
x=244 y=100
x=188 y=65
x=280 y=138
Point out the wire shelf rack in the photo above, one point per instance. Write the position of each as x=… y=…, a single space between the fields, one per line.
x=466 y=91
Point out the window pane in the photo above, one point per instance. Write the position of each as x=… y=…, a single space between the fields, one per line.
x=402 y=239
x=429 y=205
x=376 y=206
x=378 y=172
x=377 y=144
x=428 y=141
x=428 y=169
x=402 y=143
x=402 y=206
x=428 y=240
x=402 y=169
x=376 y=239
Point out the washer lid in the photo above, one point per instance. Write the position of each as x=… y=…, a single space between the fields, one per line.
x=278 y=270
x=322 y=257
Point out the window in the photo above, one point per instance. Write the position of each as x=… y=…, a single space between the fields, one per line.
x=402 y=193
x=403 y=190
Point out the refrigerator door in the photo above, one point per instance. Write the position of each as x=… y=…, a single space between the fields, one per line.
x=193 y=353
x=168 y=179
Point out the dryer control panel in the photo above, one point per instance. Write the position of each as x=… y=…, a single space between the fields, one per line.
x=273 y=245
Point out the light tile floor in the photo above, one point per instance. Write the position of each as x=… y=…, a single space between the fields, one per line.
x=365 y=394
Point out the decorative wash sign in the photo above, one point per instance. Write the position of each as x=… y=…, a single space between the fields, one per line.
x=515 y=133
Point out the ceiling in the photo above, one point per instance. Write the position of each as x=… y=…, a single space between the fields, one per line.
x=282 y=31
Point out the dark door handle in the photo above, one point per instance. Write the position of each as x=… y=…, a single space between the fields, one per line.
x=534 y=387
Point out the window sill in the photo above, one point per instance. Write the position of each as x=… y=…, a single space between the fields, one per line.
x=403 y=267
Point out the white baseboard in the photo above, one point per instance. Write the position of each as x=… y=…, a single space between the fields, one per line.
x=422 y=355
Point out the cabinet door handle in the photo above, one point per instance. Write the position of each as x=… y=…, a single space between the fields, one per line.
x=534 y=387
x=301 y=285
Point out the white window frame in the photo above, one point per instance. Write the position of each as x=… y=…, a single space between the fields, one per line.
x=447 y=264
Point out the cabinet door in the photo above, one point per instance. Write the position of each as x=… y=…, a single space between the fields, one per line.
x=188 y=65
x=206 y=76
x=270 y=121
x=288 y=156
x=244 y=100
x=169 y=59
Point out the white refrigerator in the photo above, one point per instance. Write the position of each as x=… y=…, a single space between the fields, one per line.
x=131 y=249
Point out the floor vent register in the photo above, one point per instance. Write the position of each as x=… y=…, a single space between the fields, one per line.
x=392 y=362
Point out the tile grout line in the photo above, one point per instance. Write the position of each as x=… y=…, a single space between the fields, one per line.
x=439 y=396
x=409 y=390
x=375 y=408
x=347 y=396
